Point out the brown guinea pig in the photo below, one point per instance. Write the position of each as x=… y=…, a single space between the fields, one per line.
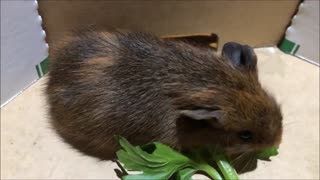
x=149 y=89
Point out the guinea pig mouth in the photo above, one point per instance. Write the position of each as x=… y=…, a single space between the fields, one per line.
x=261 y=147
x=240 y=149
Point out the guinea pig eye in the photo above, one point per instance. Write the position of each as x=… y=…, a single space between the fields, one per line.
x=245 y=135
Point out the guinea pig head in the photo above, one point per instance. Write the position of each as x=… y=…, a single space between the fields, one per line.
x=237 y=114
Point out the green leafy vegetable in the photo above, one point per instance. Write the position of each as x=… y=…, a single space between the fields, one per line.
x=162 y=163
x=267 y=153
x=186 y=174
x=157 y=161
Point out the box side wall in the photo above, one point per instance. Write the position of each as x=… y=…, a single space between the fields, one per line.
x=23 y=46
x=303 y=33
x=257 y=23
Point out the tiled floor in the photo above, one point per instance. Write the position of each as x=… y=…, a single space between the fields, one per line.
x=30 y=149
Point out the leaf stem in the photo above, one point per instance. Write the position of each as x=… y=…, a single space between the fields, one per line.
x=214 y=174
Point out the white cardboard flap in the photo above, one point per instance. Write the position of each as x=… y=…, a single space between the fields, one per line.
x=23 y=46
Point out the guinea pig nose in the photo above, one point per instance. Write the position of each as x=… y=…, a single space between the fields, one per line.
x=245 y=135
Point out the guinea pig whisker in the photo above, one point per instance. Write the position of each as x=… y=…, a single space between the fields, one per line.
x=289 y=123
x=252 y=159
x=289 y=126
x=243 y=167
x=238 y=158
x=234 y=161
x=247 y=163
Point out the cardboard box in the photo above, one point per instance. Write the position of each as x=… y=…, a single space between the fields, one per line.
x=23 y=47
x=24 y=57
x=241 y=21
x=302 y=37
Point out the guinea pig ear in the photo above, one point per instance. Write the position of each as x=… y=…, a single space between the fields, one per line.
x=203 y=114
x=241 y=56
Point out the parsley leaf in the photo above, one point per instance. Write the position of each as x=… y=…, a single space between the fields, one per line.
x=162 y=163
x=156 y=161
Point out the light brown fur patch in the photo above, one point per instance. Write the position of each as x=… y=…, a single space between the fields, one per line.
x=103 y=61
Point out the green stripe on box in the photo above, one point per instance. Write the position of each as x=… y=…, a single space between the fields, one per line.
x=289 y=47
x=296 y=49
x=38 y=71
x=42 y=68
